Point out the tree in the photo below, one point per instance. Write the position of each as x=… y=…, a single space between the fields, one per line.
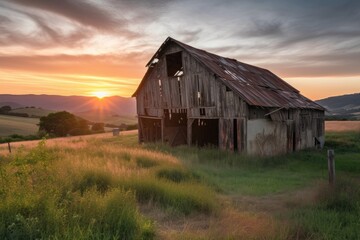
x=5 y=109
x=98 y=127
x=62 y=123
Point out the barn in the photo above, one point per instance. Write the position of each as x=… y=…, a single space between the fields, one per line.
x=190 y=96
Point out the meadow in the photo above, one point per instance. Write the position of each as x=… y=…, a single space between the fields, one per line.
x=17 y=125
x=105 y=187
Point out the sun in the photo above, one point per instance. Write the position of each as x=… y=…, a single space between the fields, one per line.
x=100 y=94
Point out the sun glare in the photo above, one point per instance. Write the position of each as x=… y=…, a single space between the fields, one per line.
x=100 y=95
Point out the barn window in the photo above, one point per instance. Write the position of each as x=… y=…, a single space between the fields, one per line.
x=202 y=111
x=174 y=65
x=228 y=89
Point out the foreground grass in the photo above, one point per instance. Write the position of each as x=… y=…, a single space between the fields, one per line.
x=333 y=213
x=90 y=188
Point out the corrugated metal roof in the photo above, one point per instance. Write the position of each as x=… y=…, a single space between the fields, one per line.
x=257 y=86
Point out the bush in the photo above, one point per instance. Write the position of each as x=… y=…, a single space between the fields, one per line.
x=145 y=162
x=98 y=127
x=182 y=198
x=175 y=175
x=100 y=180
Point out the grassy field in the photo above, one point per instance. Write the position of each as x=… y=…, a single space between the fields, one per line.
x=17 y=125
x=104 y=187
x=342 y=126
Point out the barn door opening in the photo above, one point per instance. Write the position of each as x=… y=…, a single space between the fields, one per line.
x=175 y=127
x=150 y=129
x=235 y=135
x=205 y=132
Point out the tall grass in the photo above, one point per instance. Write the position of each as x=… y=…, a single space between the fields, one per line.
x=38 y=202
x=91 y=189
x=335 y=215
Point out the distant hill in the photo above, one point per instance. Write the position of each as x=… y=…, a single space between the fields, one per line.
x=32 y=111
x=11 y=104
x=108 y=117
x=344 y=106
x=76 y=104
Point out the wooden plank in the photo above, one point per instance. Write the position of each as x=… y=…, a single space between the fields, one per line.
x=331 y=166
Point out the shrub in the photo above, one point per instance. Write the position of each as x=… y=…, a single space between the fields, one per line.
x=175 y=175
x=182 y=198
x=98 y=127
x=145 y=162
x=100 y=180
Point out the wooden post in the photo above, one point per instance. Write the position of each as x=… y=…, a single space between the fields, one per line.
x=190 y=122
x=331 y=166
x=162 y=129
x=9 y=147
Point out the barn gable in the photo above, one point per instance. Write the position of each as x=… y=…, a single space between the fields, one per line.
x=190 y=96
x=257 y=86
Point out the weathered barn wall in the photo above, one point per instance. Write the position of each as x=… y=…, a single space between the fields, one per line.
x=286 y=130
x=198 y=91
x=266 y=137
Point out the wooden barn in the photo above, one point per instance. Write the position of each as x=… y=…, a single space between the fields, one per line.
x=190 y=96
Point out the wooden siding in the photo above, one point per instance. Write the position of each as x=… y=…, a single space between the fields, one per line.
x=196 y=78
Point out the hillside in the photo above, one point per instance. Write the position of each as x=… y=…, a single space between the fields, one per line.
x=107 y=116
x=32 y=111
x=119 y=105
x=17 y=125
x=345 y=106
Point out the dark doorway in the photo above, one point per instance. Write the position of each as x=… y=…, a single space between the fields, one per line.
x=235 y=135
x=175 y=127
x=151 y=129
x=294 y=142
x=205 y=132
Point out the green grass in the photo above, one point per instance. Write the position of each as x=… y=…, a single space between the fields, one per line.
x=17 y=125
x=336 y=213
x=93 y=188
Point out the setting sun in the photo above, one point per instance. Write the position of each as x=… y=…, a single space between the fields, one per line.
x=100 y=94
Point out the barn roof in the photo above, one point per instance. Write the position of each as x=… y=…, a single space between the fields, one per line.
x=257 y=86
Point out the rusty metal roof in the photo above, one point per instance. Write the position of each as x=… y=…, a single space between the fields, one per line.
x=257 y=86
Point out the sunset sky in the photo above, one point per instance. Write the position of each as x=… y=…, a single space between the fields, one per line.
x=69 y=47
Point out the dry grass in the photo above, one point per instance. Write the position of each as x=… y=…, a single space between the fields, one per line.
x=342 y=126
x=179 y=202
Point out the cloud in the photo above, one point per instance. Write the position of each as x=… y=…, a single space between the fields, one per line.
x=125 y=66
x=79 y=11
x=43 y=36
x=262 y=28
x=189 y=36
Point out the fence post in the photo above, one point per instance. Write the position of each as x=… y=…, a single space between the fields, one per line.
x=331 y=166
x=9 y=147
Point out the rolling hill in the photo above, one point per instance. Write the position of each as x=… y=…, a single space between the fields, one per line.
x=344 y=106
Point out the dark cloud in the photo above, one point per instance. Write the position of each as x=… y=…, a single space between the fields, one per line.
x=189 y=36
x=44 y=36
x=78 y=11
x=261 y=28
